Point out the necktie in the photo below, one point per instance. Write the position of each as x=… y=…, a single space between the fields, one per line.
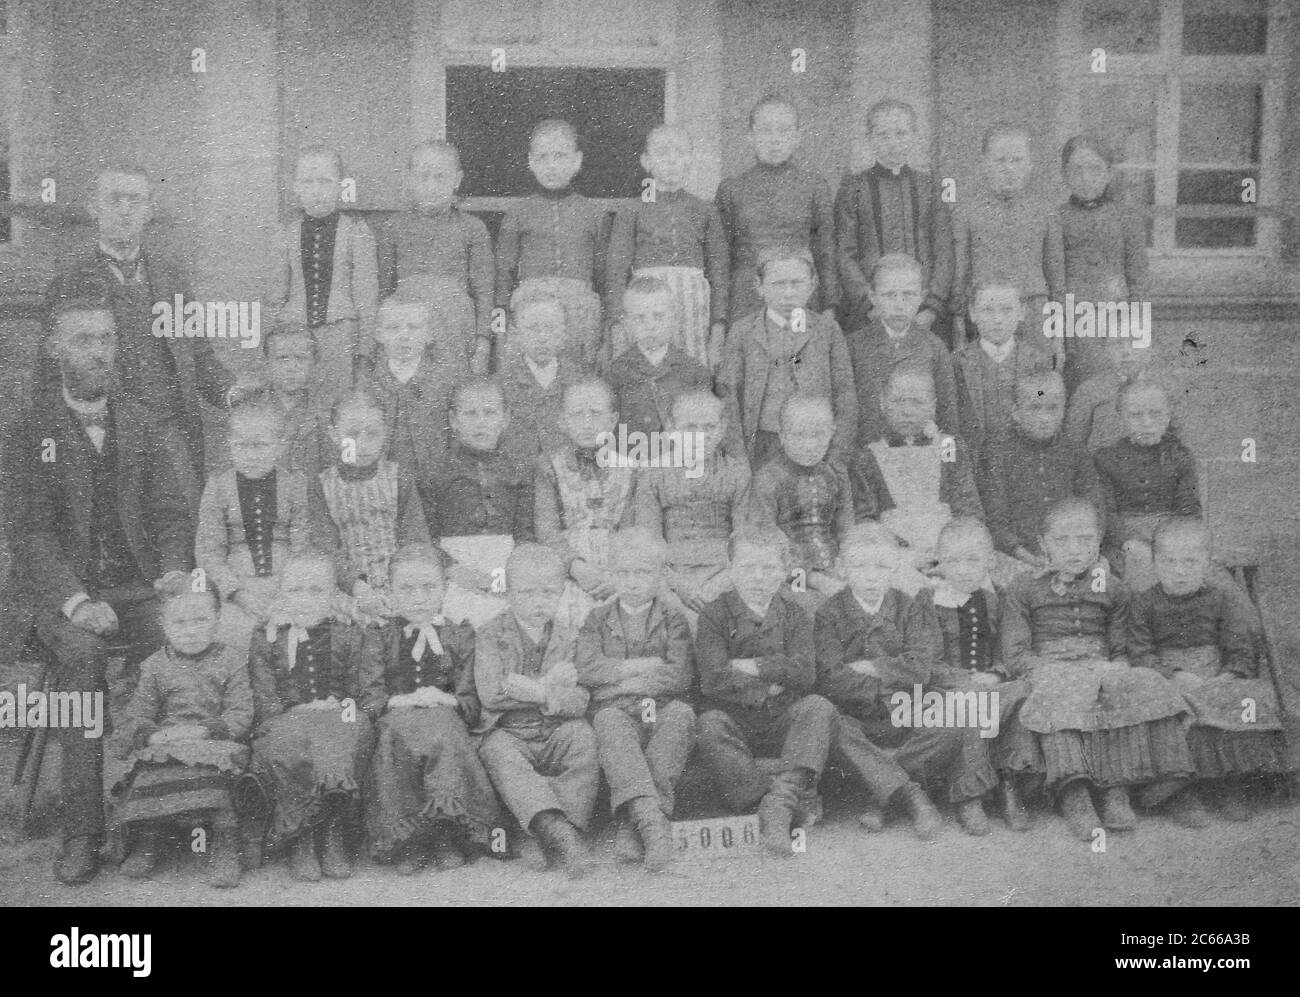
x=427 y=639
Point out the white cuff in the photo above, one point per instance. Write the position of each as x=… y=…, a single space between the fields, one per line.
x=74 y=603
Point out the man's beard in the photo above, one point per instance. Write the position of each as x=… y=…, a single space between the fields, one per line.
x=87 y=385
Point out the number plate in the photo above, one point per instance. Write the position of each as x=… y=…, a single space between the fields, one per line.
x=719 y=838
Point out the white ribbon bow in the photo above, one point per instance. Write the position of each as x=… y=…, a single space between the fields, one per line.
x=297 y=635
x=428 y=639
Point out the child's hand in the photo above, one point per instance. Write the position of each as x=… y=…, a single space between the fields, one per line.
x=986 y=680
x=775 y=690
x=746 y=666
x=592 y=580
x=429 y=696
x=254 y=605
x=470 y=578
x=865 y=667
x=824 y=583
x=1188 y=680
x=925 y=318
x=402 y=700
x=329 y=703
x=565 y=673
x=524 y=689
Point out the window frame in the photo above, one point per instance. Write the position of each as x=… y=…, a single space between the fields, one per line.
x=1168 y=70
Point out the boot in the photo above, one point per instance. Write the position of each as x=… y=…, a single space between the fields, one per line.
x=529 y=851
x=304 y=864
x=1116 y=813
x=627 y=846
x=1078 y=811
x=1185 y=808
x=776 y=813
x=77 y=861
x=446 y=856
x=656 y=835
x=926 y=821
x=872 y=819
x=334 y=859
x=223 y=858
x=1233 y=803
x=971 y=817
x=144 y=856
x=563 y=841
x=412 y=861
x=1013 y=808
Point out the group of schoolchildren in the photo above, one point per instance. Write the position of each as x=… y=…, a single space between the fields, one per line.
x=434 y=613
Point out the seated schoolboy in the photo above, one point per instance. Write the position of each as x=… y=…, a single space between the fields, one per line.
x=184 y=735
x=634 y=656
x=482 y=502
x=873 y=641
x=539 y=751
x=696 y=509
x=802 y=495
x=1031 y=469
x=990 y=369
x=252 y=517
x=1092 y=419
x=754 y=651
x=1147 y=476
x=786 y=349
x=892 y=341
x=653 y=370
x=363 y=506
x=412 y=375
x=304 y=400
x=428 y=797
x=1193 y=629
x=922 y=477
x=535 y=370
x=313 y=731
x=968 y=607
x=1092 y=722
x=581 y=496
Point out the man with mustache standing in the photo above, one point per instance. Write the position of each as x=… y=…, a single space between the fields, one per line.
x=104 y=515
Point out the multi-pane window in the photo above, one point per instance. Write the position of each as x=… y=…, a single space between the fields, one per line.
x=1191 y=94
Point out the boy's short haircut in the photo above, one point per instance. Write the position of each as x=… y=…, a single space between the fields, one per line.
x=120 y=170
x=590 y=382
x=637 y=544
x=182 y=584
x=436 y=146
x=76 y=306
x=645 y=285
x=1136 y=384
x=805 y=404
x=783 y=254
x=901 y=374
x=475 y=385
x=964 y=530
x=555 y=126
x=282 y=330
x=1036 y=382
x=897 y=263
x=257 y=410
x=998 y=131
x=663 y=128
x=415 y=553
x=1073 y=505
x=322 y=151
x=1182 y=526
x=1090 y=142
x=887 y=105
x=994 y=281
x=354 y=398
x=868 y=534
x=535 y=557
x=525 y=297
x=762 y=537
x=695 y=396
x=769 y=99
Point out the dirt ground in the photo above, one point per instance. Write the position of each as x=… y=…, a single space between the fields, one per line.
x=1257 y=863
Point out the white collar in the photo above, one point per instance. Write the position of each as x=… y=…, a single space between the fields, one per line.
x=889 y=331
x=760 y=612
x=999 y=352
x=777 y=320
x=84 y=407
x=635 y=610
x=948 y=597
x=401 y=372
x=115 y=255
x=545 y=373
x=867 y=608
x=657 y=357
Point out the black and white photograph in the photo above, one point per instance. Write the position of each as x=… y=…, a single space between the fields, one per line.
x=651 y=453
